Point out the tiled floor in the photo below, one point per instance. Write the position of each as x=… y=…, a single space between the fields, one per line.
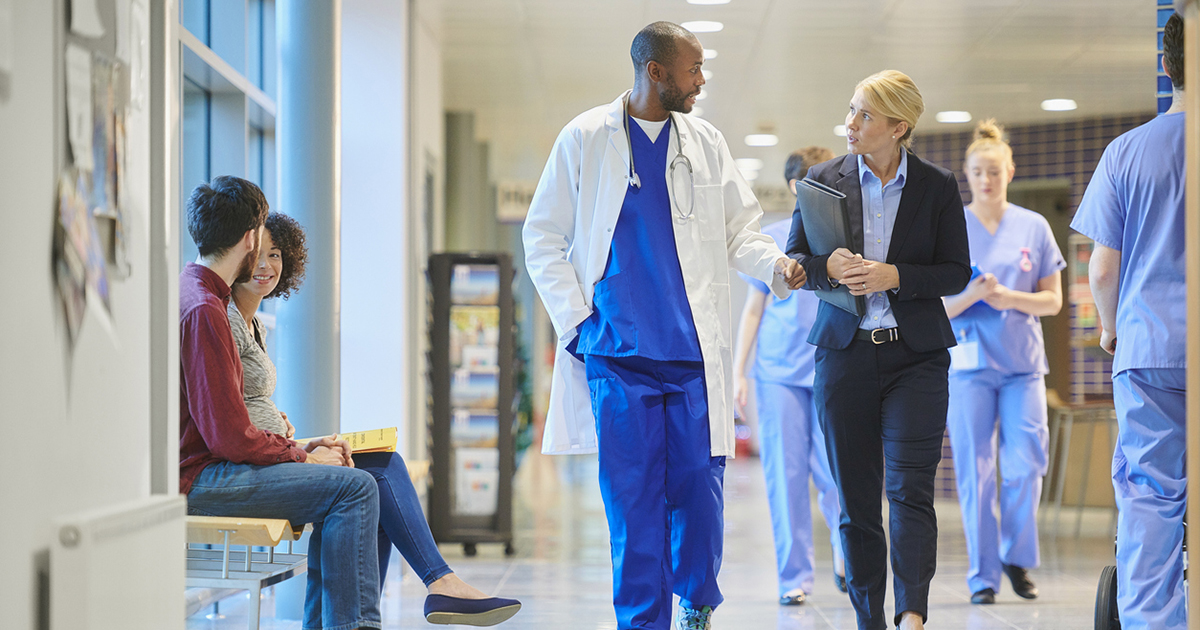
x=561 y=569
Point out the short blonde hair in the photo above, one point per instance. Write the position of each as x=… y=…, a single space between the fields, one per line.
x=893 y=94
x=989 y=136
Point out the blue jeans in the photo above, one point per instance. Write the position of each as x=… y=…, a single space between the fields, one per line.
x=401 y=520
x=343 y=506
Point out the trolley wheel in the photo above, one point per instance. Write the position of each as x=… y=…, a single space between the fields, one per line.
x=1107 y=617
x=509 y=549
x=469 y=550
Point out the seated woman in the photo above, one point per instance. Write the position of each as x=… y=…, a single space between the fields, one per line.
x=279 y=271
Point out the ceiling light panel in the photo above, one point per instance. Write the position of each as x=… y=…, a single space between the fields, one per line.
x=703 y=26
x=953 y=116
x=762 y=140
x=1058 y=105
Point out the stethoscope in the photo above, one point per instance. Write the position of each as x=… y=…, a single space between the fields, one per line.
x=679 y=159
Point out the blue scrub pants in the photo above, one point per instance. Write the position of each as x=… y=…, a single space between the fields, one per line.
x=793 y=446
x=992 y=411
x=1150 y=480
x=663 y=492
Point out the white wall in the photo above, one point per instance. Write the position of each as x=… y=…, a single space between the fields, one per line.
x=374 y=229
x=392 y=135
x=78 y=419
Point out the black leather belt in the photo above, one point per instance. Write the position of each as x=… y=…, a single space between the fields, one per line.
x=879 y=335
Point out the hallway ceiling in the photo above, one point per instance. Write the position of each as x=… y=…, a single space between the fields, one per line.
x=526 y=67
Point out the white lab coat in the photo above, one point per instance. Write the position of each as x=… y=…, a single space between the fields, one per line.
x=568 y=233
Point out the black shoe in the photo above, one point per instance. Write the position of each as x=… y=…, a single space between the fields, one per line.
x=840 y=582
x=986 y=596
x=1021 y=583
x=792 y=598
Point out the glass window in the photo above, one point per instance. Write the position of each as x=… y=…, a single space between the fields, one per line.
x=195 y=150
x=193 y=14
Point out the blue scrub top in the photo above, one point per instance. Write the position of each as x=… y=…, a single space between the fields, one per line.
x=1135 y=204
x=1020 y=254
x=782 y=353
x=640 y=306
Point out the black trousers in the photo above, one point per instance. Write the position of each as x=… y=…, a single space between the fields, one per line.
x=883 y=408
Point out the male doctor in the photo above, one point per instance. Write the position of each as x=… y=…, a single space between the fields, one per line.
x=629 y=239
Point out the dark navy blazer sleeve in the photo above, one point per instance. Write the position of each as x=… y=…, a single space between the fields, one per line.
x=950 y=270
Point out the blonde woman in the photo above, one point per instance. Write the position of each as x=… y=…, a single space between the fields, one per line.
x=881 y=379
x=997 y=372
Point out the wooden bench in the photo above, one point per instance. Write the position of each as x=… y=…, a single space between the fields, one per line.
x=213 y=574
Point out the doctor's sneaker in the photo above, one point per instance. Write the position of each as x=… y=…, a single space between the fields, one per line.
x=1020 y=581
x=694 y=618
x=986 y=596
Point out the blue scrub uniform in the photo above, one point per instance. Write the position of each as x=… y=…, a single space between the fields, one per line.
x=663 y=491
x=1135 y=203
x=792 y=443
x=997 y=386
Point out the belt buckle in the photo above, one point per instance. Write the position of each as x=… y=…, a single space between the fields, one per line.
x=890 y=336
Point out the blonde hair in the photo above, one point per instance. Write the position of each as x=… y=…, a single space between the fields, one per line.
x=893 y=94
x=989 y=136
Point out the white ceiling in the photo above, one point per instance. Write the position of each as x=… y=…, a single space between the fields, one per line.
x=526 y=67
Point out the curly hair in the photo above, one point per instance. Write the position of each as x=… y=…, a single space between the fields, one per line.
x=288 y=236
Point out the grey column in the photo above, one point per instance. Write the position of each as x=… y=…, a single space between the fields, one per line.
x=309 y=151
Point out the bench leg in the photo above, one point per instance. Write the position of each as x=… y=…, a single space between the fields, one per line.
x=254 y=609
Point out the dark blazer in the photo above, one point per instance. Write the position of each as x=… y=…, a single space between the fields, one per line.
x=929 y=248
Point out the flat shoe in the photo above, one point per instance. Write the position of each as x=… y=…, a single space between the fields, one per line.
x=1021 y=583
x=840 y=582
x=986 y=596
x=446 y=610
x=792 y=598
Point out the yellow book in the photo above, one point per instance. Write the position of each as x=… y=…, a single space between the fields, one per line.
x=373 y=441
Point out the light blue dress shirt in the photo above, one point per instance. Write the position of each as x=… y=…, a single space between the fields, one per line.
x=880 y=204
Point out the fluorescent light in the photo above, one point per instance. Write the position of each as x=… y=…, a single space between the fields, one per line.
x=708 y=1
x=748 y=164
x=840 y=130
x=707 y=74
x=762 y=140
x=703 y=26
x=697 y=111
x=749 y=175
x=1058 y=105
x=710 y=53
x=702 y=95
x=953 y=116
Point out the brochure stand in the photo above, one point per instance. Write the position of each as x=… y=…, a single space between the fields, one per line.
x=472 y=396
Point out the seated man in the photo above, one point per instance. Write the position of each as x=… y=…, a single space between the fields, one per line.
x=227 y=467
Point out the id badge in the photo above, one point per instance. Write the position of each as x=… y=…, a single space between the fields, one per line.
x=965 y=356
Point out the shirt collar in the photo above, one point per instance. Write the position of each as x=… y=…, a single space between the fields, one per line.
x=209 y=279
x=901 y=171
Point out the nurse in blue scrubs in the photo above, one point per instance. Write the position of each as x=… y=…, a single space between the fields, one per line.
x=997 y=386
x=792 y=443
x=1134 y=209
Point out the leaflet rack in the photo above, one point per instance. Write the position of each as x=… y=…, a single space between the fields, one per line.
x=472 y=395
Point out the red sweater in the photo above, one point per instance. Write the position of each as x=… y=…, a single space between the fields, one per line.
x=214 y=425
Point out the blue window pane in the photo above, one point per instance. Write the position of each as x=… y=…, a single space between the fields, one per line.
x=194 y=16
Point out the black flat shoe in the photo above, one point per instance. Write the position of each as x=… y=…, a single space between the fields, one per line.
x=1021 y=583
x=446 y=610
x=792 y=598
x=986 y=596
x=840 y=582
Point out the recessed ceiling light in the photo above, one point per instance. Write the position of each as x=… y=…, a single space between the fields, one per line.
x=840 y=130
x=697 y=111
x=762 y=140
x=1058 y=105
x=749 y=175
x=703 y=26
x=702 y=95
x=953 y=116
x=710 y=53
x=708 y=1
x=707 y=74
x=748 y=164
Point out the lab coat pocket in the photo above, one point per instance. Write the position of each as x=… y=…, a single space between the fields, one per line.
x=721 y=301
x=710 y=212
